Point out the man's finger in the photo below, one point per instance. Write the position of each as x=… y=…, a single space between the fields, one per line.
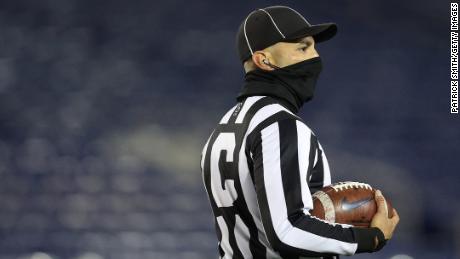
x=395 y=217
x=381 y=203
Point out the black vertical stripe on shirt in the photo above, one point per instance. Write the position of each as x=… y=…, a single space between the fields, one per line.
x=290 y=172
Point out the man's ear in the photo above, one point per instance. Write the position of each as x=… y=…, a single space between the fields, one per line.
x=261 y=58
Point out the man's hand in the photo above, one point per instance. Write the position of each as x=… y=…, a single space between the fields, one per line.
x=381 y=220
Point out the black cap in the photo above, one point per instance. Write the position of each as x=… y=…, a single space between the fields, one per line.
x=265 y=27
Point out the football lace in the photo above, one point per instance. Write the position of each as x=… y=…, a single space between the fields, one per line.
x=347 y=185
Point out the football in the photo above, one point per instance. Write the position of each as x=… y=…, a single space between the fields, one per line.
x=350 y=203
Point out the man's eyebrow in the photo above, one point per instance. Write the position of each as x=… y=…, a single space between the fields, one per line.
x=303 y=41
x=299 y=41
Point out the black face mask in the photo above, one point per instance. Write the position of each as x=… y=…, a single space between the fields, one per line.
x=294 y=83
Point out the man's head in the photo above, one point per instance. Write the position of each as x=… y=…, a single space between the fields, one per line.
x=280 y=36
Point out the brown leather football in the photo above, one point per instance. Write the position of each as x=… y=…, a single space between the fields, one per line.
x=350 y=203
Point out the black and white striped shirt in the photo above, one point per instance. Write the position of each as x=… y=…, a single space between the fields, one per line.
x=260 y=166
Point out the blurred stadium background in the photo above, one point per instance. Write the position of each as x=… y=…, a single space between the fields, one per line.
x=105 y=106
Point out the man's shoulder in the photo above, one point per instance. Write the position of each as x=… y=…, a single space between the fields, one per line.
x=255 y=109
x=273 y=111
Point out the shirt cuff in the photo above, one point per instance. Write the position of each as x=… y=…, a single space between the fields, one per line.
x=365 y=238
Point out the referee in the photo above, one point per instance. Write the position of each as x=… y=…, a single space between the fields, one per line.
x=262 y=162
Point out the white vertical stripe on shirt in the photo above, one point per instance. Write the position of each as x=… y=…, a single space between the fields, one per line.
x=303 y=149
x=326 y=169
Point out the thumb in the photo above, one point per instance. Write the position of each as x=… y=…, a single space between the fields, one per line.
x=381 y=203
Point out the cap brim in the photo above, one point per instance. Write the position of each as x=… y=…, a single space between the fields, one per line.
x=320 y=32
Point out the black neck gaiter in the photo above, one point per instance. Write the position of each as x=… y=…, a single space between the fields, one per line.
x=295 y=84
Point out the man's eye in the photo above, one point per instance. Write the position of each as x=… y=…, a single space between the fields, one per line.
x=303 y=48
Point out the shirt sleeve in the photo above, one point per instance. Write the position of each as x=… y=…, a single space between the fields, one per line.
x=282 y=156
